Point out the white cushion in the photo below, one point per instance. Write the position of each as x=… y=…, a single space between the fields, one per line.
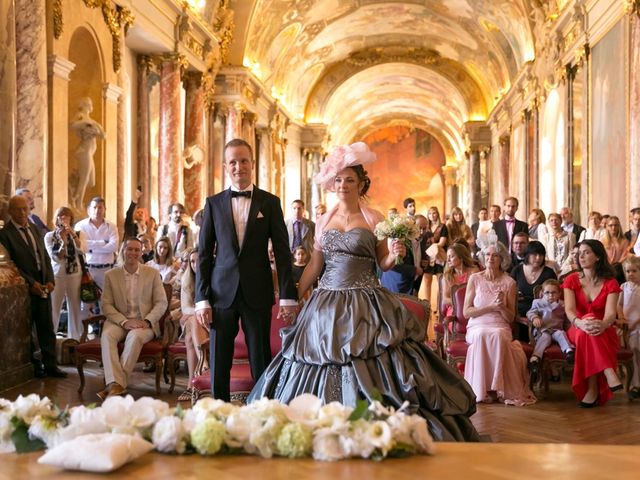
x=100 y=452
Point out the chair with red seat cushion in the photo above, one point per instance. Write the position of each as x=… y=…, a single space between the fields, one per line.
x=241 y=381
x=153 y=351
x=455 y=328
x=421 y=309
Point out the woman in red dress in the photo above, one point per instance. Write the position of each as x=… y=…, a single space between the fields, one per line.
x=590 y=296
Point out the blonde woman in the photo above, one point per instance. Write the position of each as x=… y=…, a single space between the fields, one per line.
x=614 y=241
x=163 y=260
x=193 y=333
x=457 y=228
x=435 y=242
x=459 y=266
x=537 y=225
x=559 y=243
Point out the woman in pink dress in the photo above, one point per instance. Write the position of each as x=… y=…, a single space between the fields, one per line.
x=496 y=366
x=590 y=299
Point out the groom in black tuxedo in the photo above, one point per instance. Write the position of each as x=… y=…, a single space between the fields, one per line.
x=234 y=279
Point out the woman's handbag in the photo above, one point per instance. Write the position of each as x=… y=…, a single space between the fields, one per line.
x=90 y=291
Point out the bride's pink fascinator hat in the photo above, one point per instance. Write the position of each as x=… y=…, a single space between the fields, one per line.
x=343 y=156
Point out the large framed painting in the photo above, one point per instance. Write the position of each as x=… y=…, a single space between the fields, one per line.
x=609 y=123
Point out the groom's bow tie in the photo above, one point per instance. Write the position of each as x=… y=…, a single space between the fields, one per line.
x=246 y=193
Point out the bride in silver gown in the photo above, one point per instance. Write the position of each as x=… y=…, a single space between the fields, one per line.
x=354 y=339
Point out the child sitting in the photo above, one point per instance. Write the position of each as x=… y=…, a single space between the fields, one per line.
x=629 y=312
x=547 y=316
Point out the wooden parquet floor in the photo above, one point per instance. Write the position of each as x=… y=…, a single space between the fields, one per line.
x=556 y=418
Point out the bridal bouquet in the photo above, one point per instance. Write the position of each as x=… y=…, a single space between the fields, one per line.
x=265 y=427
x=398 y=227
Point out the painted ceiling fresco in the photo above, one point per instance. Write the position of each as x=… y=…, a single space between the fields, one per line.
x=344 y=62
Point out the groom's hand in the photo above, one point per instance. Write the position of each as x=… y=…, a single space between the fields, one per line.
x=288 y=313
x=204 y=317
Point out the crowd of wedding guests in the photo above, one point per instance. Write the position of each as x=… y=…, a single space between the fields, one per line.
x=563 y=282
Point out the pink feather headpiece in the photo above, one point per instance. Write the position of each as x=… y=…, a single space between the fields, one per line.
x=343 y=156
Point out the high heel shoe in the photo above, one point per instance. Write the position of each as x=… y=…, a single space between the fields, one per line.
x=615 y=388
x=588 y=405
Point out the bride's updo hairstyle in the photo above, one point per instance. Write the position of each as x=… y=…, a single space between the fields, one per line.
x=346 y=156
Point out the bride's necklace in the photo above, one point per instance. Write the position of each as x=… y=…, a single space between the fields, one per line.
x=347 y=216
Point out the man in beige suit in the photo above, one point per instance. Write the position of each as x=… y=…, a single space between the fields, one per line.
x=133 y=301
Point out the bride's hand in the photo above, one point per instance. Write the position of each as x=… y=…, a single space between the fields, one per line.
x=288 y=314
x=397 y=248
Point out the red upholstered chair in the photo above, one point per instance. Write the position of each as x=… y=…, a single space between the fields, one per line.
x=438 y=325
x=625 y=355
x=153 y=351
x=241 y=380
x=420 y=308
x=455 y=330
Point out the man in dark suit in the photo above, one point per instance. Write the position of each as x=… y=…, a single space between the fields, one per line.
x=300 y=230
x=519 y=244
x=568 y=225
x=26 y=248
x=633 y=234
x=233 y=279
x=507 y=227
x=33 y=218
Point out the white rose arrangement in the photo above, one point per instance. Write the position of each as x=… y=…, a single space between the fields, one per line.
x=265 y=427
x=398 y=227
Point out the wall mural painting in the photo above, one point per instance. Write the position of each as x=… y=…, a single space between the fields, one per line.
x=609 y=132
x=409 y=163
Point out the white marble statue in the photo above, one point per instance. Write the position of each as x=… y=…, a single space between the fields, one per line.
x=87 y=130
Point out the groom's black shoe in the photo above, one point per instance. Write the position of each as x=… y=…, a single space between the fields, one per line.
x=56 y=372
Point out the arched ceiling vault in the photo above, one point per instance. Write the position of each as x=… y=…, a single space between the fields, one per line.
x=439 y=63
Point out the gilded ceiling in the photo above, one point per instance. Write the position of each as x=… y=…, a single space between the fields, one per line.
x=349 y=64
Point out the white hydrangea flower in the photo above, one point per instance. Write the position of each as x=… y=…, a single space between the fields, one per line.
x=327 y=446
x=29 y=407
x=169 y=436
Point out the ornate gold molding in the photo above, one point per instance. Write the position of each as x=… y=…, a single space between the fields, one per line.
x=224 y=26
x=117 y=19
x=58 y=24
x=632 y=6
x=393 y=54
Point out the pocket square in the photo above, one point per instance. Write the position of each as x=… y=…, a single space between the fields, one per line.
x=260 y=215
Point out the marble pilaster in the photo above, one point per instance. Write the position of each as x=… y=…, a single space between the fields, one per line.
x=31 y=100
x=143 y=125
x=59 y=70
x=111 y=94
x=249 y=135
x=121 y=147
x=195 y=153
x=450 y=194
x=234 y=122
x=169 y=169
x=503 y=170
x=263 y=177
x=634 y=114
x=7 y=99
x=215 y=145
x=474 y=185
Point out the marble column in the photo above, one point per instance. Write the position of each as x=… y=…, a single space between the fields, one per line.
x=474 y=185
x=634 y=114
x=111 y=94
x=234 y=122
x=143 y=125
x=503 y=172
x=59 y=70
x=194 y=142
x=170 y=166
x=31 y=100
x=123 y=185
x=215 y=146
x=263 y=177
x=450 y=175
x=249 y=135
x=7 y=99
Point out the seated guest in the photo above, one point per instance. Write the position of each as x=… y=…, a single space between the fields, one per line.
x=147 y=247
x=537 y=225
x=483 y=216
x=193 y=333
x=614 y=241
x=24 y=244
x=633 y=234
x=457 y=228
x=456 y=272
x=548 y=318
x=64 y=246
x=568 y=224
x=570 y=265
x=593 y=230
x=496 y=366
x=133 y=301
x=559 y=243
x=590 y=298
x=518 y=247
x=163 y=260
x=528 y=275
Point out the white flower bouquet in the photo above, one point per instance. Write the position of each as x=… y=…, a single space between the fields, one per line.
x=398 y=227
x=265 y=427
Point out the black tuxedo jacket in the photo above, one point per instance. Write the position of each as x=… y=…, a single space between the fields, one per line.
x=500 y=227
x=577 y=231
x=24 y=257
x=224 y=266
